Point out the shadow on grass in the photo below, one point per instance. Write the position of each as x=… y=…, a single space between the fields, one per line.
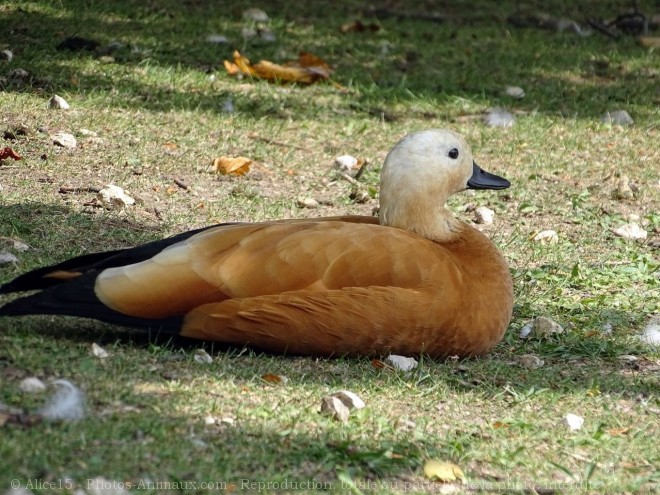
x=472 y=57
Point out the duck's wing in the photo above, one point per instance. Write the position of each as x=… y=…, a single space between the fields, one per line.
x=311 y=287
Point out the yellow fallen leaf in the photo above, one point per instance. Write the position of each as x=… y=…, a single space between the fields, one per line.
x=239 y=165
x=307 y=69
x=443 y=471
x=272 y=378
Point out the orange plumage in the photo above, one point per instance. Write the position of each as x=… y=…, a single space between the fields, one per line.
x=416 y=281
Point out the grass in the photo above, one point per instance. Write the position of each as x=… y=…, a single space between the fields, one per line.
x=157 y=110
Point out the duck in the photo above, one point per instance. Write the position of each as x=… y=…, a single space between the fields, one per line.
x=413 y=281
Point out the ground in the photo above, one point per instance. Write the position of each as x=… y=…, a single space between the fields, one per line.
x=161 y=107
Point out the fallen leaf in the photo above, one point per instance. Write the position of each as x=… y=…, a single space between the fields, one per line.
x=272 y=378
x=307 y=69
x=443 y=471
x=377 y=363
x=8 y=152
x=617 y=432
x=231 y=165
x=498 y=424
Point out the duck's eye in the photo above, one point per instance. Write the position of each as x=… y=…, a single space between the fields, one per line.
x=453 y=153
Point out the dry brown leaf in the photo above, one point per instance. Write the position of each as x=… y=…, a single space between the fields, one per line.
x=272 y=378
x=617 y=432
x=8 y=152
x=443 y=471
x=499 y=424
x=239 y=165
x=307 y=69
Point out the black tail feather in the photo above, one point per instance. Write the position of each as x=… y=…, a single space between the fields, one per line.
x=77 y=298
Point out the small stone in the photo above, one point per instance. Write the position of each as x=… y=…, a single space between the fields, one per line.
x=309 y=203
x=530 y=361
x=58 y=103
x=6 y=258
x=217 y=39
x=87 y=133
x=6 y=55
x=227 y=420
x=64 y=139
x=525 y=330
x=401 y=362
x=255 y=14
x=545 y=326
x=210 y=420
x=115 y=196
x=265 y=34
x=18 y=74
x=32 y=385
x=484 y=215
x=627 y=358
x=546 y=237
x=202 y=357
x=623 y=189
x=346 y=163
x=607 y=328
x=514 y=91
x=19 y=246
x=228 y=106
x=634 y=217
x=249 y=32
x=98 y=351
x=574 y=421
x=631 y=232
x=349 y=399
x=332 y=406
x=651 y=333
x=107 y=59
x=617 y=117
x=497 y=117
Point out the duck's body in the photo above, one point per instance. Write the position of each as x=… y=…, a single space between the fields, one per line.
x=419 y=281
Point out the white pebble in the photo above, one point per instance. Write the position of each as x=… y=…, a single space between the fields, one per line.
x=309 y=203
x=98 y=351
x=484 y=215
x=651 y=333
x=6 y=55
x=87 y=133
x=32 y=385
x=401 y=362
x=631 y=232
x=514 y=91
x=525 y=330
x=333 y=406
x=115 y=196
x=346 y=162
x=349 y=399
x=64 y=139
x=202 y=357
x=255 y=14
x=546 y=326
x=574 y=421
x=546 y=237
x=58 y=103
x=607 y=328
x=6 y=258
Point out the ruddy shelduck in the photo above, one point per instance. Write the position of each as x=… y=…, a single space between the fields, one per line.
x=415 y=280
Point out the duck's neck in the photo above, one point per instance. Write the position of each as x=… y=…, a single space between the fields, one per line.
x=438 y=224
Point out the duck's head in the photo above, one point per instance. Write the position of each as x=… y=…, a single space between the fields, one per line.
x=420 y=173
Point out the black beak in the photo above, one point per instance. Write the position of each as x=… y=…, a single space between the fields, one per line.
x=485 y=180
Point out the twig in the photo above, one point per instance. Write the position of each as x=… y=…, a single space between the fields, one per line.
x=75 y=190
x=181 y=183
x=348 y=178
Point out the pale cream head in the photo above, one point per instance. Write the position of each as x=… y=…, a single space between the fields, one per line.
x=419 y=174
